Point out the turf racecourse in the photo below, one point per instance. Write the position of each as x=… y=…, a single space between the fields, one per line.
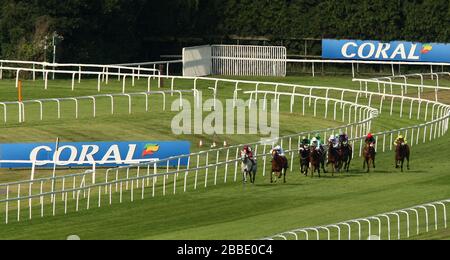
x=228 y=211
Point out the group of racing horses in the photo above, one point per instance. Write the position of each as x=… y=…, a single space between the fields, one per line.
x=314 y=158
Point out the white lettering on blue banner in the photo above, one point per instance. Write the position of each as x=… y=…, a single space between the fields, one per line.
x=385 y=51
x=84 y=154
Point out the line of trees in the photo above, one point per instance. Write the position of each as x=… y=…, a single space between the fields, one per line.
x=124 y=30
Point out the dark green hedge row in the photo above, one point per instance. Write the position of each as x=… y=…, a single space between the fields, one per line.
x=122 y=30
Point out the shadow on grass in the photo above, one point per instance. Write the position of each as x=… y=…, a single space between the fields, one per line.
x=275 y=184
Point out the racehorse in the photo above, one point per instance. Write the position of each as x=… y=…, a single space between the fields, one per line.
x=323 y=157
x=315 y=159
x=304 y=152
x=402 y=152
x=334 y=158
x=346 y=151
x=249 y=167
x=279 y=166
x=369 y=156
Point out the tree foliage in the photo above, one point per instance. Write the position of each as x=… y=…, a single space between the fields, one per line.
x=120 y=30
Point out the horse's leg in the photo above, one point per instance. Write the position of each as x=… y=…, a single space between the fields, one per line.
x=408 y=153
x=367 y=163
x=403 y=162
x=373 y=162
x=336 y=169
x=347 y=164
x=396 y=161
x=301 y=166
x=307 y=167
x=333 y=168
x=407 y=162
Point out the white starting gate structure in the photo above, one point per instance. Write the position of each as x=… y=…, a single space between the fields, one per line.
x=235 y=60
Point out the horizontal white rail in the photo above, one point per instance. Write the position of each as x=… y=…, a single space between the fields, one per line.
x=344 y=61
x=151 y=63
x=357 y=115
x=57 y=65
x=402 y=218
x=94 y=98
x=314 y=62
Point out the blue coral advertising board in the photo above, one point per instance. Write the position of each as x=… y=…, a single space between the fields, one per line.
x=110 y=154
x=385 y=51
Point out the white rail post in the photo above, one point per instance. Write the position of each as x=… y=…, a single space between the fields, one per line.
x=236 y=165
x=426 y=217
x=226 y=165
x=217 y=166
x=124 y=83
x=7 y=204
x=196 y=171
x=99 y=82
x=206 y=168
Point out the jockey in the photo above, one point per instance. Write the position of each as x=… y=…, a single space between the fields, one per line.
x=400 y=140
x=279 y=150
x=319 y=140
x=333 y=141
x=248 y=151
x=343 y=138
x=316 y=143
x=370 y=139
x=305 y=143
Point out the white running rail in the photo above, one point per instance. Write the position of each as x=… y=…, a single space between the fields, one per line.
x=391 y=225
x=357 y=114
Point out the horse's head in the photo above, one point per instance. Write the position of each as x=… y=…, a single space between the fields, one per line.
x=315 y=154
x=275 y=153
x=372 y=148
x=369 y=147
x=330 y=146
x=305 y=151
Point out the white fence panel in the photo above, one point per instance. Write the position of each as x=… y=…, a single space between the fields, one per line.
x=197 y=61
x=244 y=60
